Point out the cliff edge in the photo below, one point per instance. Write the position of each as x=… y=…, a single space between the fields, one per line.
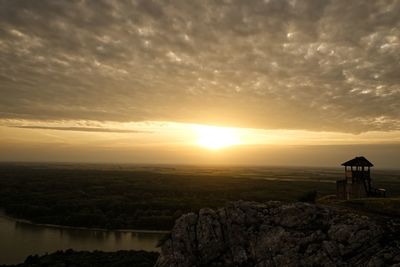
x=277 y=234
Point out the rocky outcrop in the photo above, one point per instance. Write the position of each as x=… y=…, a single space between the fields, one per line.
x=277 y=234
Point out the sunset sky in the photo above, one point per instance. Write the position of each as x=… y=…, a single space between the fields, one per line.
x=263 y=82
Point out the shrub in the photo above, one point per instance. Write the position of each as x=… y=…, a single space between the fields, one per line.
x=310 y=196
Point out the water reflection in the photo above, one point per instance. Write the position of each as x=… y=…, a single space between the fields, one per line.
x=20 y=239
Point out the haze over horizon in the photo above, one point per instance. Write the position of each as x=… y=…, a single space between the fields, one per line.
x=263 y=82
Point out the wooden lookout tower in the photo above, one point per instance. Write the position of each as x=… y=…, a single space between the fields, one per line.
x=357 y=182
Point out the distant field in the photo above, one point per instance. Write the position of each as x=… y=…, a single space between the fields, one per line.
x=152 y=197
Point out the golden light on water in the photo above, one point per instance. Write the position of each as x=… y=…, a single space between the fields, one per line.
x=213 y=137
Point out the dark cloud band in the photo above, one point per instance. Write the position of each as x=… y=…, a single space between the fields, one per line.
x=79 y=129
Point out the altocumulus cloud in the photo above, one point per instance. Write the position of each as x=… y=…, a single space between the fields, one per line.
x=315 y=65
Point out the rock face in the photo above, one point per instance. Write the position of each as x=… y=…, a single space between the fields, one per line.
x=276 y=234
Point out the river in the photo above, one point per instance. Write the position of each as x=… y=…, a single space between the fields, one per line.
x=20 y=239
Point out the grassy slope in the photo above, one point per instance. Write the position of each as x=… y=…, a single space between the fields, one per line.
x=383 y=206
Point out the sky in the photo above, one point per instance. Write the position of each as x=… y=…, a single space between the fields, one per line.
x=288 y=82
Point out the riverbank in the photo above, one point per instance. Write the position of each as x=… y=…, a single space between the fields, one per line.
x=95 y=258
x=20 y=239
x=4 y=215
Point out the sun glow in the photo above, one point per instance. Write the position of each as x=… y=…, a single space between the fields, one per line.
x=212 y=137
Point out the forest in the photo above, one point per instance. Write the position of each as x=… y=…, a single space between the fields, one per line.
x=137 y=198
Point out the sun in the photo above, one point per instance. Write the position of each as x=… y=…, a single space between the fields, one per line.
x=213 y=137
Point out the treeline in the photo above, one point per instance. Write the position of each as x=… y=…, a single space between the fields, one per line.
x=90 y=259
x=117 y=199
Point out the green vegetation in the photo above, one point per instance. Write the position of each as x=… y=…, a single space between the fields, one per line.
x=89 y=259
x=309 y=197
x=148 y=198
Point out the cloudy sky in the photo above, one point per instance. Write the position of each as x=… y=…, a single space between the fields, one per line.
x=316 y=72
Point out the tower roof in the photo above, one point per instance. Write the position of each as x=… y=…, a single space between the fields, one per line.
x=358 y=161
